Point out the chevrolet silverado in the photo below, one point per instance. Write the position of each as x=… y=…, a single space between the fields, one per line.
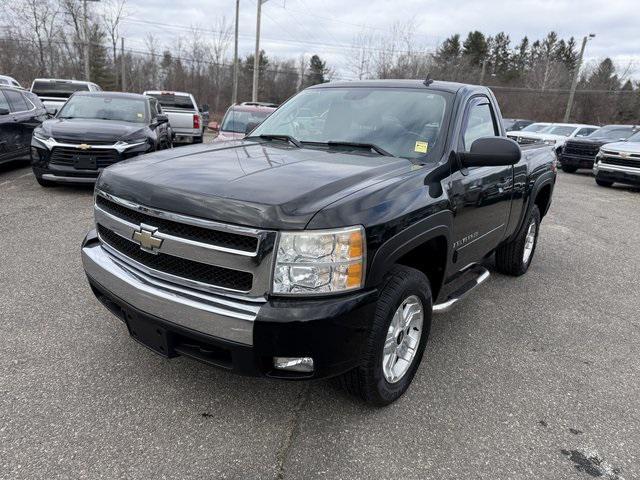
x=321 y=244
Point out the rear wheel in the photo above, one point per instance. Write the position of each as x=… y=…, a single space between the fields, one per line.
x=514 y=258
x=569 y=168
x=603 y=183
x=397 y=339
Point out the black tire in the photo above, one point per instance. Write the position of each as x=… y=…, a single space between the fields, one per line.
x=368 y=381
x=510 y=258
x=568 y=168
x=44 y=183
x=197 y=139
x=603 y=183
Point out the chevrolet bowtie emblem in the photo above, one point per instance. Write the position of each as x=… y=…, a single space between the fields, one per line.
x=84 y=146
x=625 y=154
x=146 y=238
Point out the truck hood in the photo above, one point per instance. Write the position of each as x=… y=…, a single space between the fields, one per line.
x=623 y=147
x=87 y=131
x=267 y=185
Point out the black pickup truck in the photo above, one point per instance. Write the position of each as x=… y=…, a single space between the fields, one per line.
x=321 y=244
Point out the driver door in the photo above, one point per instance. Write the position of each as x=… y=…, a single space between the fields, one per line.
x=480 y=196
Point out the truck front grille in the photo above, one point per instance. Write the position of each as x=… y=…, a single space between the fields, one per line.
x=68 y=156
x=189 y=251
x=527 y=140
x=180 y=267
x=581 y=150
x=191 y=232
x=622 y=162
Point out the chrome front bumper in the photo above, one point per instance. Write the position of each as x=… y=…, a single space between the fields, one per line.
x=214 y=315
x=605 y=167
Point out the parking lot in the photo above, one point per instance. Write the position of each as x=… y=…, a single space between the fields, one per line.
x=535 y=377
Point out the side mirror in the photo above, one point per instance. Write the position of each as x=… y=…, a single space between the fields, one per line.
x=214 y=126
x=250 y=126
x=491 y=152
x=160 y=119
x=4 y=111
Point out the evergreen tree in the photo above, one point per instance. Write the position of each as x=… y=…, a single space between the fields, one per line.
x=475 y=48
x=99 y=65
x=317 y=71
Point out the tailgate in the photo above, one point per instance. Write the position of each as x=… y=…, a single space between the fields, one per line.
x=180 y=119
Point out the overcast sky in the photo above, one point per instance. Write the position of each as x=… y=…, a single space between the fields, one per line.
x=327 y=27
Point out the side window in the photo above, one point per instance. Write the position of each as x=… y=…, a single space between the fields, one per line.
x=17 y=101
x=3 y=101
x=480 y=123
x=583 y=132
x=154 y=108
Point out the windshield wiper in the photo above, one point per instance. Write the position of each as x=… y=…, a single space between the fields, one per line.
x=367 y=146
x=269 y=136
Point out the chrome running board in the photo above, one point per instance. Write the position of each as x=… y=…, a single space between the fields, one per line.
x=482 y=275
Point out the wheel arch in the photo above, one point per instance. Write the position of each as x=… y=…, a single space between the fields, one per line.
x=424 y=246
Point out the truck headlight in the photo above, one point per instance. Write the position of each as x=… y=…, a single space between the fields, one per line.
x=550 y=142
x=319 y=262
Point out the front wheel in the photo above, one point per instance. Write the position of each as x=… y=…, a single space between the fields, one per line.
x=44 y=183
x=397 y=339
x=514 y=257
x=603 y=183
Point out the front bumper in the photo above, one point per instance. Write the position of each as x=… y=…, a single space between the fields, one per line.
x=617 y=173
x=576 y=161
x=235 y=334
x=44 y=167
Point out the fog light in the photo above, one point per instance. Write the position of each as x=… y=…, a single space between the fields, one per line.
x=294 y=364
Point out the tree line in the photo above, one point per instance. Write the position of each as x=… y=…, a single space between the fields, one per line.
x=531 y=78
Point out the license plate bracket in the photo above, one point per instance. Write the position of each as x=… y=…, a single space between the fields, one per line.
x=85 y=162
x=152 y=336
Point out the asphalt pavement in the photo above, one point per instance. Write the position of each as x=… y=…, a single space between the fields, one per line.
x=536 y=377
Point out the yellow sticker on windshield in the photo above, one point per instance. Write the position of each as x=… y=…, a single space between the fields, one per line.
x=421 y=147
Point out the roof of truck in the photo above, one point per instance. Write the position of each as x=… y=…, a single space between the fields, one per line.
x=451 y=87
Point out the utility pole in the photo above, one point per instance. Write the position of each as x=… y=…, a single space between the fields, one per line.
x=122 y=75
x=234 y=93
x=87 y=70
x=576 y=72
x=256 y=58
x=483 y=71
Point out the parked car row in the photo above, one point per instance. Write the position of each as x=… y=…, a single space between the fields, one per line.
x=611 y=151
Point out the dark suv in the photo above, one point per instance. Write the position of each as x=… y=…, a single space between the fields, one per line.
x=20 y=113
x=581 y=153
x=94 y=130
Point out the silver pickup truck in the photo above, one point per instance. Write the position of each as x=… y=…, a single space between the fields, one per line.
x=619 y=162
x=185 y=117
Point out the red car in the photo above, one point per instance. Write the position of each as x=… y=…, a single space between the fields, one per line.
x=240 y=119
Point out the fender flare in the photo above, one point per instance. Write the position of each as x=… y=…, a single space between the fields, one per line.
x=386 y=256
x=547 y=178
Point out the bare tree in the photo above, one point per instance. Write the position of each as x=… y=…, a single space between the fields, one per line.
x=359 y=58
x=113 y=13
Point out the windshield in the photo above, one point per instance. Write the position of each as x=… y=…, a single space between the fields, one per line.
x=564 y=131
x=634 y=138
x=57 y=89
x=613 y=133
x=536 y=127
x=171 y=100
x=105 y=108
x=402 y=121
x=237 y=121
